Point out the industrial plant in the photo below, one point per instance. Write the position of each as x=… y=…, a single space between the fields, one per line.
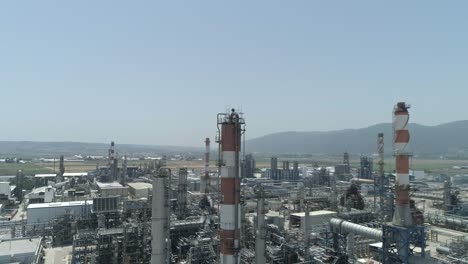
x=235 y=208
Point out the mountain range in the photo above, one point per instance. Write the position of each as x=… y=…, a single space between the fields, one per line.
x=27 y=149
x=440 y=139
x=429 y=140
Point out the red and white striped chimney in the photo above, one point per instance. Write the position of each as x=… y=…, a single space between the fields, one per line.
x=230 y=213
x=402 y=215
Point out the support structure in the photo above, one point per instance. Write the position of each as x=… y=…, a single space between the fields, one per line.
x=182 y=194
x=406 y=238
x=160 y=243
x=382 y=184
x=231 y=125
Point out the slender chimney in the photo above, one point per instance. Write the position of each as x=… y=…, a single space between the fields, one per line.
x=402 y=216
x=123 y=173
x=205 y=180
x=182 y=194
x=112 y=163
x=160 y=218
x=230 y=213
x=61 y=169
x=260 y=236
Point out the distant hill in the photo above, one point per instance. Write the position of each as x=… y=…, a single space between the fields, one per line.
x=423 y=139
x=28 y=149
x=430 y=140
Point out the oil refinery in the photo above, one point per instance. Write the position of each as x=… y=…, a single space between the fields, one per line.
x=233 y=209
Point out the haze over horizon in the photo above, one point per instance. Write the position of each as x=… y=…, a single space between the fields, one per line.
x=247 y=137
x=158 y=73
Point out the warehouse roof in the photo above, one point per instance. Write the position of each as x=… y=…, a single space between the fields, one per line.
x=45 y=175
x=75 y=174
x=140 y=185
x=104 y=185
x=14 y=247
x=61 y=204
x=314 y=213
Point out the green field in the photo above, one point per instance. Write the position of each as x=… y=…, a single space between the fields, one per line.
x=28 y=168
x=434 y=166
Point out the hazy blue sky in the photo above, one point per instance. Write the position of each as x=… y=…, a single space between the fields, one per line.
x=157 y=73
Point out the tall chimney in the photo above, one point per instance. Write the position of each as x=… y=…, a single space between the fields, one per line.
x=260 y=234
x=182 y=194
x=112 y=162
x=61 y=169
x=402 y=216
x=205 y=180
x=160 y=217
x=123 y=173
x=230 y=213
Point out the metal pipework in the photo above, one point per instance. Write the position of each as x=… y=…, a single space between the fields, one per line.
x=344 y=227
x=454 y=221
x=160 y=243
x=365 y=181
x=443 y=250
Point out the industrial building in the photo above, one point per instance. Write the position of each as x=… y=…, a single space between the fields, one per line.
x=248 y=166
x=6 y=193
x=111 y=188
x=285 y=174
x=20 y=250
x=139 y=190
x=41 y=195
x=46 y=212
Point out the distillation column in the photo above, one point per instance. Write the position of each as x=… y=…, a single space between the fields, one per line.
x=123 y=173
x=160 y=218
x=402 y=216
x=182 y=194
x=206 y=178
x=112 y=159
x=59 y=176
x=230 y=211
